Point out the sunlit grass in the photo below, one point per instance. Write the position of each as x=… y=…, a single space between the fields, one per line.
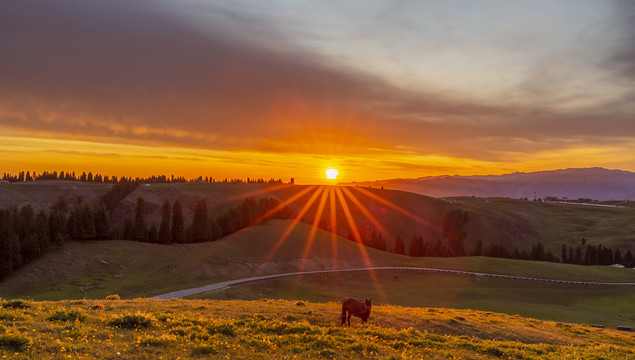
x=198 y=329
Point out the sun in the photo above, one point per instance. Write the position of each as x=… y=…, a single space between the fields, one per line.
x=331 y=173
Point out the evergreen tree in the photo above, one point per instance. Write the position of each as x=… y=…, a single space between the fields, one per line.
x=86 y=222
x=563 y=252
x=399 y=246
x=478 y=250
x=453 y=230
x=538 y=252
x=140 y=227
x=165 y=236
x=102 y=228
x=42 y=231
x=7 y=237
x=29 y=246
x=178 y=227
x=578 y=259
x=628 y=259
x=57 y=227
x=200 y=222
x=128 y=229
x=416 y=246
x=618 y=257
x=153 y=234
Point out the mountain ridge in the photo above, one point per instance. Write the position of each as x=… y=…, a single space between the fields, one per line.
x=593 y=183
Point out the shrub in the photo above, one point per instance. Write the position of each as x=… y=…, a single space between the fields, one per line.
x=161 y=341
x=5 y=315
x=495 y=351
x=205 y=350
x=15 y=342
x=222 y=328
x=16 y=304
x=72 y=315
x=131 y=321
x=98 y=307
x=113 y=297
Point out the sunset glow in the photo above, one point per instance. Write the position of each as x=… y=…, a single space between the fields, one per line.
x=235 y=91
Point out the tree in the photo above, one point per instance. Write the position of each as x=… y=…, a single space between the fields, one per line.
x=140 y=227
x=416 y=247
x=102 y=228
x=399 y=246
x=153 y=234
x=578 y=259
x=81 y=224
x=618 y=257
x=563 y=252
x=453 y=230
x=128 y=229
x=57 y=227
x=7 y=239
x=165 y=236
x=478 y=250
x=42 y=231
x=199 y=229
x=538 y=252
x=177 y=228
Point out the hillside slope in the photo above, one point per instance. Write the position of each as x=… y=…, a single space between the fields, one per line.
x=131 y=269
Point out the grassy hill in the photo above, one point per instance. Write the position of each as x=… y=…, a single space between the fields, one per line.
x=130 y=269
x=42 y=194
x=512 y=223
x=197 y=329
x=521 y=223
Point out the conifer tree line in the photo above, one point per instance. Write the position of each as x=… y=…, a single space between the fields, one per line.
x=99 y=178
x=203 y=227
x=452 y=243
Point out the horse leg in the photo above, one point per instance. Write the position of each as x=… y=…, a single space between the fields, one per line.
x=349 y=319
x=343 y=314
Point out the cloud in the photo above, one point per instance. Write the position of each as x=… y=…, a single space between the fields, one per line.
x=133 y=71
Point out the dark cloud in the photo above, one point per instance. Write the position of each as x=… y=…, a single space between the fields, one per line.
x=128 y=70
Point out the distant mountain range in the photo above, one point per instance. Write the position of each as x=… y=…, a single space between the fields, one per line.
x=590 y=183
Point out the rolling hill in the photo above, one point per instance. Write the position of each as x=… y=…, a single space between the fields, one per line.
x=94 y=270
x=392 y=214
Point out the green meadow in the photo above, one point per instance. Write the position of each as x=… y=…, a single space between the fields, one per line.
x=280 y=329
x=93 y=270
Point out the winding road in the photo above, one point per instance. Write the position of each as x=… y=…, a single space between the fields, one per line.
x=226 y=284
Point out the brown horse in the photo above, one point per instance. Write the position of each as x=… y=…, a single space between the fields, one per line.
x=356 y=308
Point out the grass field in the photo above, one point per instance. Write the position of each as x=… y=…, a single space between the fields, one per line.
x=138 y=270
x=520 y=224
x=611 y=306
x=199 y=329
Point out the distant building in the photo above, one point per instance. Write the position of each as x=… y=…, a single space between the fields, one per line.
x=4 y=182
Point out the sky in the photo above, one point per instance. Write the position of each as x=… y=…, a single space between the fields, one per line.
x=282 y=89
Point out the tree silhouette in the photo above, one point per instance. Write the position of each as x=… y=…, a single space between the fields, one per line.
x=165 y=236
x=102 y=228
x=140 y=227
x=178 y=228
x=199 y=230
